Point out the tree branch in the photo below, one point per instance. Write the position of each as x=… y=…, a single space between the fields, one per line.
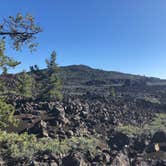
x=18 y=33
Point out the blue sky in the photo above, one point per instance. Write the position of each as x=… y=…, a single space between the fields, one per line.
x=120 y=35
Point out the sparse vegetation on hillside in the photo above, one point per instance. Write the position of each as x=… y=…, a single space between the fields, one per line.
x=96 y=117
x=130 y=130
x=158 y=123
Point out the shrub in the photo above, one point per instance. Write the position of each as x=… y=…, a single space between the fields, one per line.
x=129 y=130
x=158 y=123
x=6 y=115
x=25 y=145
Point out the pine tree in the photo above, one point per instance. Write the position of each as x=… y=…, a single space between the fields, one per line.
x=19 y=30
x=25 y=84
x=39 y=82
x=6 y=115
x=112 y=91
x=2 y=88
x=6 y=61
x=53 y=89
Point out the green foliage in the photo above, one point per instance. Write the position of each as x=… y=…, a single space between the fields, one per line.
x=25 y=84
x=158 y=123
x=53 y=89
x=6 y=115
x=20 y=30
x=25 y=145
x=38 y=83
x=152 y=100
x=6 y=61
x=51 y=63
x=2 y=87
x=129 y=130
x=83 y=144
x=18 y=145
x=112 y=92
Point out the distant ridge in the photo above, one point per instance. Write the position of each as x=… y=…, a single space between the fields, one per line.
x=107 y=74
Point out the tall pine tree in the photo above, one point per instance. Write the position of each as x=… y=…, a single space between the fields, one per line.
x=53 y=88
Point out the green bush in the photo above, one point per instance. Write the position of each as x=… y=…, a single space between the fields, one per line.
x=129 y=130
x=158 y=123
x=6 y=115
x=25 y=145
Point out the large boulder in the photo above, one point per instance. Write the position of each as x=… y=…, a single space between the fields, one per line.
x=121 y=160
x=158 y=142
x=118 y=140
x=159 y=137
x=45 y=158
x=74 y=159
x=40 y=129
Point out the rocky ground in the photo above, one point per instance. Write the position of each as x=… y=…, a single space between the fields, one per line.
x=127 y=117
x=97 y=116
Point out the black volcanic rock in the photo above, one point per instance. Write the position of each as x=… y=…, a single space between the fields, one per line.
x=118 y=141
x=159 y=137
x=74 y=159
x=90 y=109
